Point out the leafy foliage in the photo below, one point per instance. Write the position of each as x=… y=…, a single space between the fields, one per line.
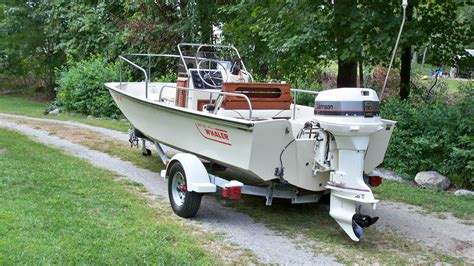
x=433 y=136
x=279 y=38
x=81 y=87
x=288 y=37
x=37 y=37
x=25 y=49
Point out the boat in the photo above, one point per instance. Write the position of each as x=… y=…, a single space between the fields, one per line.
x=215 y=117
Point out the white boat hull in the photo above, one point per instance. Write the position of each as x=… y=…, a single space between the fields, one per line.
x=252 y=147
x=346 y=147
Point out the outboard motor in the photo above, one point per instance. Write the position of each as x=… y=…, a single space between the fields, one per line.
x=349 y=119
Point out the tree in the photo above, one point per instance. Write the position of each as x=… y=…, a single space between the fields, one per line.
x=436 y=24
x=294 y=35
x=345 y=15
x=405 y=65
x=38 y=37
x=279 y=39
x=287 y=38
x=25 y=49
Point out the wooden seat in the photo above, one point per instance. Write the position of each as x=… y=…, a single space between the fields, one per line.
x=268 y=96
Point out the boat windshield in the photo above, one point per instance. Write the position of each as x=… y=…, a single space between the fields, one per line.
x=209 y=56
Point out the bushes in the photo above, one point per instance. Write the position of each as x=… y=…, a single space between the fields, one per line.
x=81 y=88
x=377 y=77
x=433 y=136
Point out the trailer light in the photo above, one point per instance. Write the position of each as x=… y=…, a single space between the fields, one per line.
x=225 y=192
x=234 y=193
x=232 y=190
x=375 y=181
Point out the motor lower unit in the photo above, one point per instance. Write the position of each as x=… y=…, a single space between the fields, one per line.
x=349 y=120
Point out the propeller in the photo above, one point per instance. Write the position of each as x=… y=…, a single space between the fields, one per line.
x=361 y=221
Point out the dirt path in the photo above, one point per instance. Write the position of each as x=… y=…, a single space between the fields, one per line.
x=237 y=227
x=448 y=235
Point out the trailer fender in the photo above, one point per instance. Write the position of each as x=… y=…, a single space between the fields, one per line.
x=197 y=178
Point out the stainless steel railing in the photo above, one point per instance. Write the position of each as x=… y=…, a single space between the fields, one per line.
x=138 y=67
x=200 y=46
x=295 y=98
x=211 y=93
x=148 y=73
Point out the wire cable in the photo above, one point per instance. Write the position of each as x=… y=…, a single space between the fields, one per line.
x=404 y=5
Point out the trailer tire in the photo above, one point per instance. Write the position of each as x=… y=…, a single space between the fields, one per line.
x=146 y=152
x=183 y=202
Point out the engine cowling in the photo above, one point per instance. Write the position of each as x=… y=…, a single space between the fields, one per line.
x=348 y=111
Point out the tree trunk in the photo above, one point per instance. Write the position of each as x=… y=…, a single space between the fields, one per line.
x=206 y=10
x=361 y=74
x=405 y=68
x=263 y=70
x=405 y=71
x=346 y=74
x=347 y=66
x=51 y=92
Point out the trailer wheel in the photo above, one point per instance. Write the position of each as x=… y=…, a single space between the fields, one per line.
x=146 y=152
x=183 y=202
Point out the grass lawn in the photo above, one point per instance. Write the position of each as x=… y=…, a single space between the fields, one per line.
x=57 y=209
x=431 y=200
x=313 y=221
x=21 y=106
x=320 y=232
x=460 y=206
x=452 y=85
x=310 y=220
x=98 y=142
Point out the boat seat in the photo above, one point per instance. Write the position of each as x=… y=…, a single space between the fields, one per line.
x=263 y=96
x=168 y=94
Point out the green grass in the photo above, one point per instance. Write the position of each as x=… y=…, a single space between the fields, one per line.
x=431 y=200
x=21 y=106
x=314 y=222
x=451 y=85
x=57 y=209
x=152 y=163
x=321 y=233
x=124 y=151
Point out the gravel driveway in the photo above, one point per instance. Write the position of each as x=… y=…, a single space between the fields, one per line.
x=237 y=227
x=449 y=235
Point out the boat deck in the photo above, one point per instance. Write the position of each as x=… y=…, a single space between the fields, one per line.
x=165 y=93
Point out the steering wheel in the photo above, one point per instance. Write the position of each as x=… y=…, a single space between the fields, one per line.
x=212 y=75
